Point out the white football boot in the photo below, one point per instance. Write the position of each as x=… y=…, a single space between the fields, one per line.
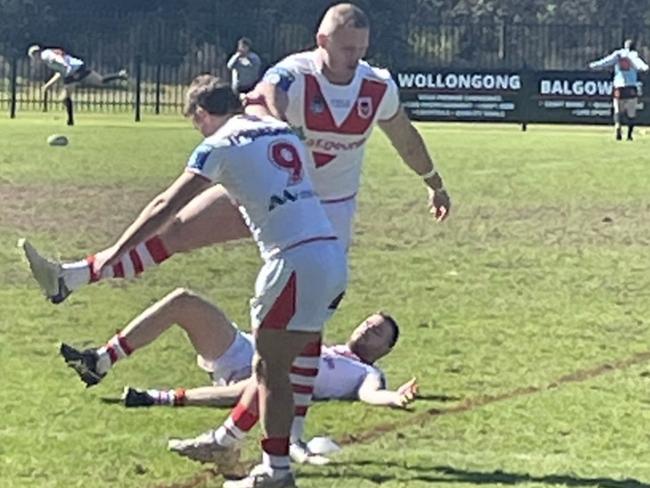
x=301 y=454
x=48 y=274
x=205 y=449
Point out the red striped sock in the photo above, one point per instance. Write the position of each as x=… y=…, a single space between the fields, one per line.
x=117 y=348
x=241 y=420
x=303 y=376
x=275 y=454
x=145 y=255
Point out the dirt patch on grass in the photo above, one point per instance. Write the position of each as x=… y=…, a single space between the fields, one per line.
x=60 y=209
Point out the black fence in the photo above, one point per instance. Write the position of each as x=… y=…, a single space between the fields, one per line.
x=162 y=58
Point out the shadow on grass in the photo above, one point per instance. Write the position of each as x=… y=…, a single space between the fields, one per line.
x=448 y=474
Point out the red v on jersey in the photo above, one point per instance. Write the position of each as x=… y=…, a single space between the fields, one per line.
x=318 y=116
x=321 y=159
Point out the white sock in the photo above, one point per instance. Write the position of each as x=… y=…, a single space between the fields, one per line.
x=162 y=397
x=229 y=434
x=103 y=361
x=111 y=353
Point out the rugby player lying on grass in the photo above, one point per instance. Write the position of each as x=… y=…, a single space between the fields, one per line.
x=347 y=371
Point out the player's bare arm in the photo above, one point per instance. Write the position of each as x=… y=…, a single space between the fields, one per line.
x=372 y=392
x=153 y=217
x=409 y=144
x=272 y=97
x=51 y=81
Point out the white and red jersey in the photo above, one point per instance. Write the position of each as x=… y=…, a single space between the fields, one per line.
x=341 y=373
x=335 y=120
x=260 y=162
x=57 y=60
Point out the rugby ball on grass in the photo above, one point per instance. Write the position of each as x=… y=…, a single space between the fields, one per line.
x=57 y=140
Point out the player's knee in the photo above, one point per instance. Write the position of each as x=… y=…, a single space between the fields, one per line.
x=173 y=236
x=260 y=370
x=182 y=298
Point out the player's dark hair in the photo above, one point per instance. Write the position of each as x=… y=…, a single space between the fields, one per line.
x=245 y=41
x=212 y=95
x=630 y=44
x=389 y=318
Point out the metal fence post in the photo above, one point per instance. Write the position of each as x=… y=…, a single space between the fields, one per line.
x=503 y=43
x=159 y=51
x=158 y=75
x=13 y=78
x=138 y=81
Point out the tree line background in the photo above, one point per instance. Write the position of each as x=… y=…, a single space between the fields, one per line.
x=476 y=33
x=168 y=42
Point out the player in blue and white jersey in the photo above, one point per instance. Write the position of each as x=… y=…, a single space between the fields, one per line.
x=74 y=72
x=627 y=63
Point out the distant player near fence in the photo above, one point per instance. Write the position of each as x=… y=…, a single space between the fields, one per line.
x=627 y=63
x=74 y=71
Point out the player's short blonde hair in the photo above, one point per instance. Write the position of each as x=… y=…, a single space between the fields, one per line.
x=343 y=15
x=212 y=95
x=32 y=50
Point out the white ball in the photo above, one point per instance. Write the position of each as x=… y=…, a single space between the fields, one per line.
x=57 y=140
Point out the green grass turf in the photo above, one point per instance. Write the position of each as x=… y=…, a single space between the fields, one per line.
x=540 y=272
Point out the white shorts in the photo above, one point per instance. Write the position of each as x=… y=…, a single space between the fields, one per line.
x=341 y=216
x=234 y=365
x=299 y=289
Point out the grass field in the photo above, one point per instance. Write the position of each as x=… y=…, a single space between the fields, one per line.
x=525 y=315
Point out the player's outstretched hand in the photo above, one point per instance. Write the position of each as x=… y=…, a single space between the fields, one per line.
x=407 y=393
x=439 y=204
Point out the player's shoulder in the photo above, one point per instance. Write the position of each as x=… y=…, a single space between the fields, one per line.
x=246 y=126
x=375 y=73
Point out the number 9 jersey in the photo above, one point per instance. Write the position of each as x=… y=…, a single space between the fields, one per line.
x=260 y=162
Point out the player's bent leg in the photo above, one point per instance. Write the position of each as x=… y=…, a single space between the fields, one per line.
x=148 y=254
x=92 y=364
x=58 y=280
x=91 y=80
x=119 y=76
x=207 y=327
x=209 y=218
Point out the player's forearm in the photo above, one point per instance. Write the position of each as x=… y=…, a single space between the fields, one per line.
x=52 y=80
x=379 y=398
x=410 y=146
x=232 y=61
x=276 y=100
x=605 y=62
x=156 y=214
x=216 y=396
